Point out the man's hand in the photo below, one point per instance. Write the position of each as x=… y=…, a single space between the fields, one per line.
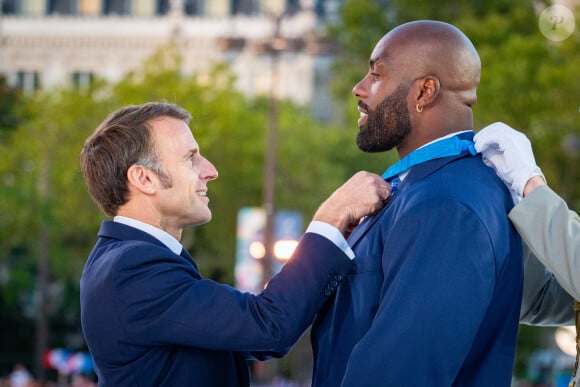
x=363 y=194
x=509 y=153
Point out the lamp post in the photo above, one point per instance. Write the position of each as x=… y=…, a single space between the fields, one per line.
x=273 y=46
x=271 y=143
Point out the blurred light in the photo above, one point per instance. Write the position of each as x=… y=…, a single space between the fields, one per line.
x=257 y=250
x=571 y=144
x=274 y=8
x=284 y=249
x=566 y=340
x=67 y=363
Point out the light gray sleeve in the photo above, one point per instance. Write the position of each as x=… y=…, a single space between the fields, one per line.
x=552 y=232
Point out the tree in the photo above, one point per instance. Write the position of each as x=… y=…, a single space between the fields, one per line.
x=10 y=113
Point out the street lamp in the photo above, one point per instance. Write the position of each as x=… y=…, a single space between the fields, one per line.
x=276 y=44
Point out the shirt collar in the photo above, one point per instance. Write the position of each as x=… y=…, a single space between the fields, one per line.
x=164 y=237
x=447 y=136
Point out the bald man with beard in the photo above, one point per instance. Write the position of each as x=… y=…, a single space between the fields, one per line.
x=435 y=296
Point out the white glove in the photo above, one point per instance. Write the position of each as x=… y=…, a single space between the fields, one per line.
x=509 y=153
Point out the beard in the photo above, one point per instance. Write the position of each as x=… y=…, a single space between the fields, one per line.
x=388 y=124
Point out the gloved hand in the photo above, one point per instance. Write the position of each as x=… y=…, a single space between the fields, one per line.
x=509 y=153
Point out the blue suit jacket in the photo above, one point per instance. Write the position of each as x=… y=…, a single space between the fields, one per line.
x=435 y=296
x=150 y=319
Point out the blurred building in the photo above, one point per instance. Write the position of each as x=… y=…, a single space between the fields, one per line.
x=48 y=43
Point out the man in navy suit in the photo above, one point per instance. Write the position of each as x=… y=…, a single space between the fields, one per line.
x=435 y=296
x=148 y=315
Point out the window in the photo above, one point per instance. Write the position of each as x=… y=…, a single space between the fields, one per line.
x=28 y=81
x=162 y=7
x=292 y=6
x=62 y=7
x=245 y=7
x=117 y=7
x=9 y=7
x=82 y=80
x=193 y=7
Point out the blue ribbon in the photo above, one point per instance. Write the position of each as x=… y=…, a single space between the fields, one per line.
x=452 y=146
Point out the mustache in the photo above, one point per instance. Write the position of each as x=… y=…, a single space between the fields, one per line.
x=363 y=105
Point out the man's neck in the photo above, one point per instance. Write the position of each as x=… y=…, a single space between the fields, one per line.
x=150 y=217
x=405 y=149
x=166 y=238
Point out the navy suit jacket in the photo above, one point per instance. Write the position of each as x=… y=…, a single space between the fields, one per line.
x=150 y=319
x=436 y=292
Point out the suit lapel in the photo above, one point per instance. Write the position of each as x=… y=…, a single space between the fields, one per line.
x=417 y=173
x=185 y=254
x=365 y=226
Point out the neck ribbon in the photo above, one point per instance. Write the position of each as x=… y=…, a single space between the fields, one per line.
x=452 y=146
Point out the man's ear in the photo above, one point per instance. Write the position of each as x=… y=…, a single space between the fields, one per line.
x=142 y=179
x=428 y=90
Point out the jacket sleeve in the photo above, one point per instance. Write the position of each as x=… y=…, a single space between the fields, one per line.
x=552 y=232
x=544 y=302
x=161 y=303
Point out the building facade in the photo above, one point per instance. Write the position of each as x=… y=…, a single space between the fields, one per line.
x=67 y=43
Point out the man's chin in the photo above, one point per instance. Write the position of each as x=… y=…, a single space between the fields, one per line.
x=199 y=221
x=362 y=144
x=370 y=147
x=365 y=148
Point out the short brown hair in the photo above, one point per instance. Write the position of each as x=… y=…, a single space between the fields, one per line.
x=121 y=140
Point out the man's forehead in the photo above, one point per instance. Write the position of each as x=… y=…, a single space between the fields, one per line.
x=173 y=133
x=380 y=53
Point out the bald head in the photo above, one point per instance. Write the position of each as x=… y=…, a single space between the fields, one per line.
x=432 y=47
x=427 y=72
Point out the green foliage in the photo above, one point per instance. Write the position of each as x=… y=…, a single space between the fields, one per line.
x=530 y=338
x=42 y=188
x=10 y=109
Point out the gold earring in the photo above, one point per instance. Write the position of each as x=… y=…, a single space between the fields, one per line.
x=419 y=108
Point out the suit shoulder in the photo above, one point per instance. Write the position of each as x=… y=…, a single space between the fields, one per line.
x=465 y=182
x=125 y=254
x=476 y=181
